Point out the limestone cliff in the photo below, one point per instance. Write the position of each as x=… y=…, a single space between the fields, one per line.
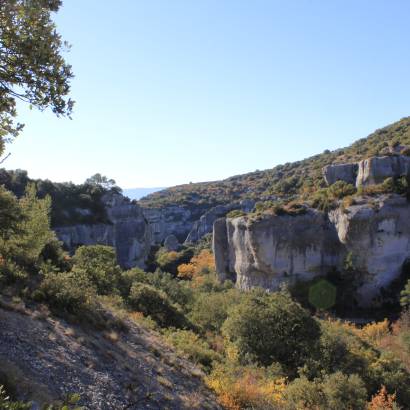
x=270 y=250
x=370 y=171
x=127 y=231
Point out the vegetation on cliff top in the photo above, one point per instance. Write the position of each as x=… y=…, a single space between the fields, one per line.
x=284 y=180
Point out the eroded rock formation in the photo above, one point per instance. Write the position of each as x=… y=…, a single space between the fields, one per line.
x=270 y=250
x=370 y=171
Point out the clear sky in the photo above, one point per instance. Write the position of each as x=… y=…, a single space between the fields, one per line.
x=173 y=91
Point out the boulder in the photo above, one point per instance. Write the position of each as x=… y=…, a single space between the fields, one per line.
x=340 y=172
x=171 y=243
x=375 y=170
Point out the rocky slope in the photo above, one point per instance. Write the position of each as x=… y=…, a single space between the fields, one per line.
x=373 y=233
x=48 y=359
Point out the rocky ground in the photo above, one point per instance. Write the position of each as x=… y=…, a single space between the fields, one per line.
x=45 y=359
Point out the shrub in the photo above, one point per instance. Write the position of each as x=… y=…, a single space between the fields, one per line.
x=302 y=393
x=71 y=295
x=195 y=348
x=201 y=264
x=154 y=303
x=344 y=392
x=169 y=261
x=271 y=328
x=375 y=332
x=128 y=277
x=210 y=310
x=248 y=387
x=99 y=263
x=405 y=295
x=7 y=404
x=236 y=213
x=383 y=401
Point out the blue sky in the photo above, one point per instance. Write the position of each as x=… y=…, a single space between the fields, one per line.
x=173 y=91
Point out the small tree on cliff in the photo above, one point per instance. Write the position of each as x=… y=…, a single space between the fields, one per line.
x=32 y=68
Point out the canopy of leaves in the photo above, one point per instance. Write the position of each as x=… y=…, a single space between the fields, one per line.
x=269 y=328
x=32 y=68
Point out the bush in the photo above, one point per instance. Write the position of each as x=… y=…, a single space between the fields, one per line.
x=201 y=264
x=99 y=264
x=302 y=393
x=195 y=348
x=236 y=213
x=248 y=387
x=271 y=328
x=344 y=392
x=7 y=404
x=154 y=303
x=169 y=261
x=210 y=310
x=66 y=292
x=177 y=291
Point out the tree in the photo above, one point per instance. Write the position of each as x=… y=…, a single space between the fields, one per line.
x=269 y=328
x=99 y=264
x=405 y=295
x=102 y=181
x=32 y=68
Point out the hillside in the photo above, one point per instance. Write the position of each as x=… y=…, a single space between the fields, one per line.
x=44 y=359
x=283 y=180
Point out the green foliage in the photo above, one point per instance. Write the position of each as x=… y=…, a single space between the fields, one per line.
x=190 y=344
x=336 y=391
x=67 y=293
x=35 y=226
x=7 y=404
x=235 y=213
x=177 y=291
x=10 y=214
x=24 y=241
x=284 y=181
x=269 y=328
x=344 y=392
x=302 y=393
x=102 y=181
x=32 y=67
x=168 y=261
x=99 y=264
x=155 y=303
x=210 y=310
x=405 y=295
x=325 y=198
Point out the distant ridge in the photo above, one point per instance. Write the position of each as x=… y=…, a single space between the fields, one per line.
x=138 y=193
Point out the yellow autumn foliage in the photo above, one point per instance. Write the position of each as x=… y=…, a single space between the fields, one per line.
x=200 y=264
x=247 y=387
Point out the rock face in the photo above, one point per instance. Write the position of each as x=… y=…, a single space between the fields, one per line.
x=205 y=223
x=370 y=171
x=378 y=238
x=176 y=220
x=376 y=169
x=277 y=249
x=340 y=172
x=128 y=232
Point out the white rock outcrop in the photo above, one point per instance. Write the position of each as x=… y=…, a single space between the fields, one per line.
x=269 y=251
